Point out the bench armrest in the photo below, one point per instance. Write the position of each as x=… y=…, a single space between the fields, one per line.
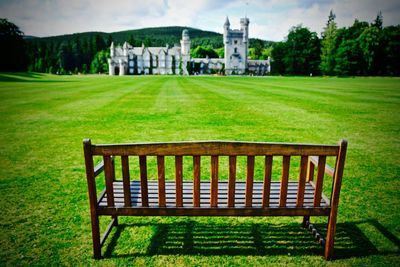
x=328 y=169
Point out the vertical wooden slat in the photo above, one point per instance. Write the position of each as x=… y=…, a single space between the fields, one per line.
x=87 y=148
x=196 y=181
x=109 y=175
x=284 y=181
x=249 y=181
x=302 y=181
x=179 y=182
x=320 y=180
x=267 y=181
x=143 y=181
x=330 y=237
x=126 y=180
x=214 y=182
x=161 y=180
x=310 y=171
x=232 y=181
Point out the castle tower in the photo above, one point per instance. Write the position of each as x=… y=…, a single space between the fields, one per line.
x=185 y=51
x=236 y=47
x=226 y=30
x=244 y=26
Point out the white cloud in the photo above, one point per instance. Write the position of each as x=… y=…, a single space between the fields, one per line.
x=269 y=19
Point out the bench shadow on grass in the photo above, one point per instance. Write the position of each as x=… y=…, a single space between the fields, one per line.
x=258 y=239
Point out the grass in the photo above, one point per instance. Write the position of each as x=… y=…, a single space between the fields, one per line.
x=44 y=206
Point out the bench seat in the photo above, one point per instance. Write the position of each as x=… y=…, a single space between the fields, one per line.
x=240 y=189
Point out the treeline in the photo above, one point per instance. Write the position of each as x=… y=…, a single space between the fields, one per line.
x=76 y=56
x=361 y=49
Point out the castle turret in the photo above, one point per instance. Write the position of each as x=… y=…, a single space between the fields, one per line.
x=112 y=49
x=125 y=49
x=244 y=26
x=185 y=51
x=185 y=43
x=226 y=29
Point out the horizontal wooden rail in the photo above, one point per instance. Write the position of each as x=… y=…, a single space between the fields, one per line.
x=286 y=211
x=328 y=169
x=209 y=148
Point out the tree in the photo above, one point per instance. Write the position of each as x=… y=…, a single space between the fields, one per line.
x=109 y=40
x=391 y=52
x=77 y=55
x=301 y=46
x=220 y=52
x=258 y=48
x=378 y=22
x=328 y=48
x=370 y=44
x=312 y=54
x=13 y=51
x=266 y=53
x=131 y=40
x=98 y=44
x=202 y=52
x=278 y=65
x=346 y=60
x=100 y=62
x=65 y=59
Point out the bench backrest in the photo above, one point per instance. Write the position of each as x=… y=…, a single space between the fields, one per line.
x=311 y=157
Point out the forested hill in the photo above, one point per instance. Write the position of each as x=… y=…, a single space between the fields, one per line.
x=157 y=36
x=89 y=51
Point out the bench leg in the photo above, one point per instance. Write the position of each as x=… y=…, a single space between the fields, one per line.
x=96 y=237
x=306 y=220
x=115 y=217
x=330 y=237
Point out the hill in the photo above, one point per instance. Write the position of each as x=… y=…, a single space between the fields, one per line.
x=88 y=51
x=156 y=36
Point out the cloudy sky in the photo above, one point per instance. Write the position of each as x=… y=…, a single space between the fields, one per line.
x=269 y=19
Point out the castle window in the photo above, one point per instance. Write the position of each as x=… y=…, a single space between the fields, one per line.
x=235 y=49
x=235 y=42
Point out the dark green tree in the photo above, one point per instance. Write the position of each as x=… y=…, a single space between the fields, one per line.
x=258 y=48
x=109 y=40
x=13 y=51
x=131 y=40
x=100 y=63
x=370 y=44
x=202 y=52
x=328 y=48
x=346 y=58
x=378 y=22
x=278 y=53
x=300 y=46
x=391 y=50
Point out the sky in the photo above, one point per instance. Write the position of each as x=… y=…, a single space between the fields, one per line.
x=269 y=19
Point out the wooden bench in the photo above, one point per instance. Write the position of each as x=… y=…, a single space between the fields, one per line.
x=195 y=197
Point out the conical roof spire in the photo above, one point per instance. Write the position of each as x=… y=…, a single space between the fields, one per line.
x=227 y=21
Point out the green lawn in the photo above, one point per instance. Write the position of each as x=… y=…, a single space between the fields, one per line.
x=44 y=206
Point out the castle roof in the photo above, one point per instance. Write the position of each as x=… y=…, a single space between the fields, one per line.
x=227 y=21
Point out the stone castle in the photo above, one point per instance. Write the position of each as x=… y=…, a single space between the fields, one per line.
x=128 y=60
